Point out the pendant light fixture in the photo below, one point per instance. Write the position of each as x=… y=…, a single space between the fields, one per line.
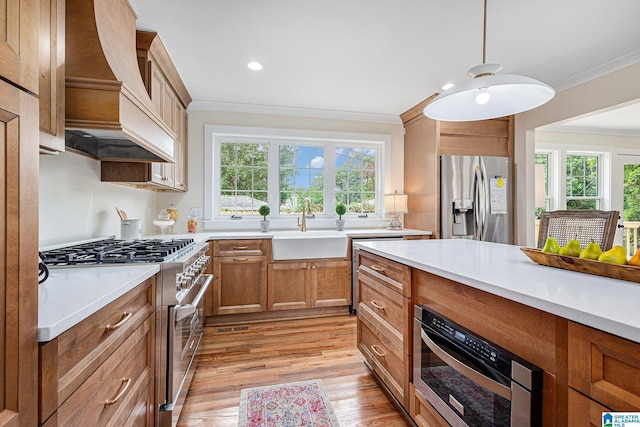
x=488 y=95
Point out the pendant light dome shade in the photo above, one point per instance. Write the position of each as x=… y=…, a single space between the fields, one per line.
x=488 y=95
x=507 y=94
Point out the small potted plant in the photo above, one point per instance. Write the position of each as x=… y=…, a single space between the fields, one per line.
x=341 y=209
x=264 y=211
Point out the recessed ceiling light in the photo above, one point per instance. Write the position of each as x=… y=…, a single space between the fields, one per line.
x=254 y=65
x=448 y=86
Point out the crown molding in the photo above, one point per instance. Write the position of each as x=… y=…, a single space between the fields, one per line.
x=599 y=71
x=593 y=131
x=231 y=107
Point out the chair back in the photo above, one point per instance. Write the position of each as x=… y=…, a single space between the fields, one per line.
x=599 y=226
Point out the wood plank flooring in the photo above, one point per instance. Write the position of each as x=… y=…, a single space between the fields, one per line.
x=252 y=355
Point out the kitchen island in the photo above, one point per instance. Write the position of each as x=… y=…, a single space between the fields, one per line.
x=610 y=305
x=581 y=330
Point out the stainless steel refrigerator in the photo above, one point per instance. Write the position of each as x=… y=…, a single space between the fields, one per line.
x=475 y=198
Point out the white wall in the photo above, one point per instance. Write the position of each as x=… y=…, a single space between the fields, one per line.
x=198 y=119
x=76 y=205
x=616 y=88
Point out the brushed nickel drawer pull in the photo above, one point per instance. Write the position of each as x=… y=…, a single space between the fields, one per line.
x=376 y=305
x=241 y=259
x=126 y=382
x=377 y=268
x=376 y=351
x=240 y=248
x=125 y=317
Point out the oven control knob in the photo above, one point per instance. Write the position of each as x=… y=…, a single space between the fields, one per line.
x=184 y=282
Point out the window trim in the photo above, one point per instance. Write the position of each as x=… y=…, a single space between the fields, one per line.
x=382 y=142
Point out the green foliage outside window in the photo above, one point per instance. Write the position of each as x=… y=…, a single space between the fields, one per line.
x=244 y=177
x=356 y=179
x=631 y=192
x=582 y=182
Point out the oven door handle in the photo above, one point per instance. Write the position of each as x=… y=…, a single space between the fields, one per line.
x=465 y=370
x=186 y=310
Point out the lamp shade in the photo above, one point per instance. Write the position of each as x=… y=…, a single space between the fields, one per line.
x=540 y=199
x=507 y=94
x=395 y=203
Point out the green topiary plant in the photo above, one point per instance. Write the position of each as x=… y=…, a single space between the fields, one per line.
x=341 y=209
x=264 y=211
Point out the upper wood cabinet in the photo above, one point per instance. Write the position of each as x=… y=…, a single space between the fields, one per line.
x=19 y=43
x=425 y=140
x=52 y=74
x=171 y=99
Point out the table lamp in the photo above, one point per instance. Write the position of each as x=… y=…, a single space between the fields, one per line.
x=395 y=203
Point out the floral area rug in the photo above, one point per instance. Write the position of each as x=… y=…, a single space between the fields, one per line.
x=298 y=404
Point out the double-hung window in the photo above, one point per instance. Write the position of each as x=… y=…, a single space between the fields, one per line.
x=582 y=181
x=246 y=168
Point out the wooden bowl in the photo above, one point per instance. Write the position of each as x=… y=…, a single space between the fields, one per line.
x=599 y=268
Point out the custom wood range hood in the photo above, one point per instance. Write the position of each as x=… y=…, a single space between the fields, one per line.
x=109 y=114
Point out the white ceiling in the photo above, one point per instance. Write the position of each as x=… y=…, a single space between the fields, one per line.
x=382 y=57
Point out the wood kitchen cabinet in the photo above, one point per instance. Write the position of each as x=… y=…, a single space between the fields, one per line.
x=308 y=284
x=604 y=368
x=19 y=86
x=240 y=276
x=171 y=99
x=52 y=74
x=101 y=371
x=385 y=321
x=19 y=44
x=425 y=140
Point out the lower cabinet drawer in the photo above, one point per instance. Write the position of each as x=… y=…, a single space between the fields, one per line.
x=422 y=412
x=69 y=359
x=387 y=359
x=386 y=307
x=604 y=367
x=584 y=411
x=119 y=392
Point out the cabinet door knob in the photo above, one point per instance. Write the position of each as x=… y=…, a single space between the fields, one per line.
x=241 y=259
x=125 y=317
x=126 y=382
x=240 y=248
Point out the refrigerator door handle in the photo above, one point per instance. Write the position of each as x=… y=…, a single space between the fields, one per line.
x=482 y=201
x=478 y=205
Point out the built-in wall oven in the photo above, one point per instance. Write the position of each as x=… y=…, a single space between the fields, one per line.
x=469 y=380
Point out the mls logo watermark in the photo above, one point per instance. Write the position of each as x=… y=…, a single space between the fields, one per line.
x=621 y=419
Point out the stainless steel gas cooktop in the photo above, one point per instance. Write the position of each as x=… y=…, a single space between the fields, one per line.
x=112 y=251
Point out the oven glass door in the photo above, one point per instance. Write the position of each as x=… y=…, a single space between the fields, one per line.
x=186 y=322
x=464 y=391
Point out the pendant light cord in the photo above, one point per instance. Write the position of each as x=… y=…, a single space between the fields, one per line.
x=484 y=35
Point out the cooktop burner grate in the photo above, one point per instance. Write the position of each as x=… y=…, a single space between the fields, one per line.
x=111 y=251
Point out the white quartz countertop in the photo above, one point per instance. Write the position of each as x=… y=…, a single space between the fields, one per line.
x=72 y=294
x=354 y=233
x=610 y=305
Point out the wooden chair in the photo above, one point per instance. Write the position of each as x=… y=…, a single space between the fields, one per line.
x=599 y=226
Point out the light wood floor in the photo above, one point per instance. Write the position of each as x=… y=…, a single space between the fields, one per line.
x=237 y=357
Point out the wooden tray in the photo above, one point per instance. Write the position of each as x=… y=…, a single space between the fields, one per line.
x=606 y=269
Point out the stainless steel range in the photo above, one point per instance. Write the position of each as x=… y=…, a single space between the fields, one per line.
x=179 y=303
